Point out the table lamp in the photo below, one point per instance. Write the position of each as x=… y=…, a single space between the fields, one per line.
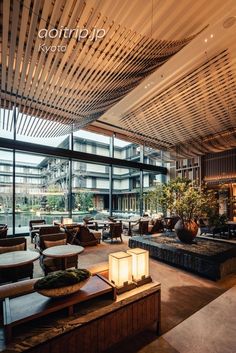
x=120 y=271
x=140 y=266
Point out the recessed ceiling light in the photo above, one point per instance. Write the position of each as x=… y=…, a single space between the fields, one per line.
x=229 y=22
x=205 y=40
x=212 y=35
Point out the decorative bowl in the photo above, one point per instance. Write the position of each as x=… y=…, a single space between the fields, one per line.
x=62 y=291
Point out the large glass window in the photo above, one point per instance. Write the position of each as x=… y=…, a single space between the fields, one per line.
x=51 y=188
x=41 y=189
x=6 y=188
x=126 y=191
x=90 y=190
x=90 y=142
x=126 y=150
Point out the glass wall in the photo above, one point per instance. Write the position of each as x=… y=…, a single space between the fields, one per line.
x=90 y=142
x=126 y=191
x=50 y=188
x=41 y=191
x=90 y=190
x=126 y=150
x=6 y=188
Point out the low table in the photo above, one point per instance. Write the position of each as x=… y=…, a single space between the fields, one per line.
x=63 y=251
x=25 y=308
x=95 y=326
x=18 y=258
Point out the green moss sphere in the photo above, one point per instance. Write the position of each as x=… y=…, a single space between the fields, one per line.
x=62 y=279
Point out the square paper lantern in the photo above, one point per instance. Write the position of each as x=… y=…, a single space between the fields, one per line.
x=140 y=265
x=120 y=271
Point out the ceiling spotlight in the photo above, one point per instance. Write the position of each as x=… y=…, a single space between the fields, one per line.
x=212 y=35
x=205 y=40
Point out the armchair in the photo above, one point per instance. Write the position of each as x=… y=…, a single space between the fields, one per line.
x=34 y=232
x=84 y=237
x=115 y=231
x=3 y=231
x=141 y=227
x=50 y=264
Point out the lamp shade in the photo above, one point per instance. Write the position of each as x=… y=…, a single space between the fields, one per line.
x=120 y=272
x=140 y=263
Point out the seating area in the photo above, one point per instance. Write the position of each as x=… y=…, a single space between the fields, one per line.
x=117 y=176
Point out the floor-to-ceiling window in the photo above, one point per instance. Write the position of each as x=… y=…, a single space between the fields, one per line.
x=48 y=182
x=6 y=188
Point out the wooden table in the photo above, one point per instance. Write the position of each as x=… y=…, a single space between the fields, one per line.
x=96 y=325
x=129 y=221
x=63 y=251
x=28 y=307
x=17 y=258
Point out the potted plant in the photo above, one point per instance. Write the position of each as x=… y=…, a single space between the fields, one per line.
x=182 y=198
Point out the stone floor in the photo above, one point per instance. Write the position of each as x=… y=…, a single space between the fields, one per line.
x=184 y=295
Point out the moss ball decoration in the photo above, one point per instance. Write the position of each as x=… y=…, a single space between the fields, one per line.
x=61 y=279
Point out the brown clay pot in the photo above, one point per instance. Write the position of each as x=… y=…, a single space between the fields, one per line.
x=186 y=231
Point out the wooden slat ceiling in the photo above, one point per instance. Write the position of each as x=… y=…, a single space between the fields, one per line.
x=200 y=104
x=78 y=86
x=51 y=92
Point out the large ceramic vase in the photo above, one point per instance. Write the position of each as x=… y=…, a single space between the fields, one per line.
x=186 y=230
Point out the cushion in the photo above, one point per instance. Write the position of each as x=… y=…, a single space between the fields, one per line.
x=50 y=243
x=19 y=247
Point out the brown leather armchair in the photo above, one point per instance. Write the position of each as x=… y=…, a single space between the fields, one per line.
x=3 y=231
x=33 y=232
x=13 y=274
x=115 y=231
x=46 y=231
x=140 y=228
x=84 y=237
x=50 y=264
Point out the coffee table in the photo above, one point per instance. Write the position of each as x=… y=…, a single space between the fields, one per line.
x=63 y=251
x=18 y=258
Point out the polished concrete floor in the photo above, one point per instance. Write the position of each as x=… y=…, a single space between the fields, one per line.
x=196 y=312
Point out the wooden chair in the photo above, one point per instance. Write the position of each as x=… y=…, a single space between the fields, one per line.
x=3 y=231
x=170 y=223
x=50 y=230
x=90 y=223
x=50 y=264
x=14 y=274
x=84 y=237
x=141 y=229
x=114 y=232
x=46 y=231
x=157 y=227
x=34 y=232
x=56 y=237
